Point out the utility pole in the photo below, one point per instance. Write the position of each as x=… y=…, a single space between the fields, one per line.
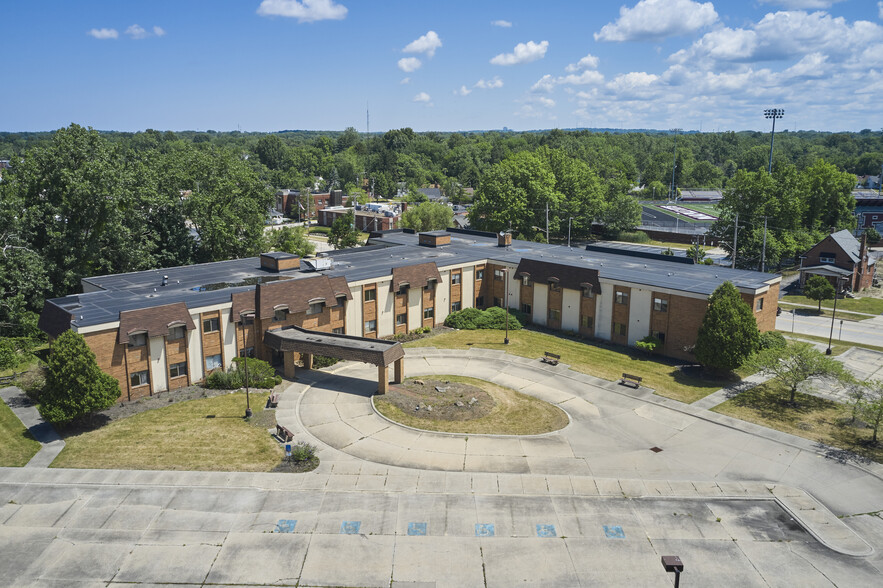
x=569 y=221
x=547 y=222
x=674 y=165
x=735 y=237
x=763 y=253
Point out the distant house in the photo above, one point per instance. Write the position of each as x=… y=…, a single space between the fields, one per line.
x=433 y=194
x=840 y=257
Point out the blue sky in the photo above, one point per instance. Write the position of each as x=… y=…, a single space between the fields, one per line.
x=430 y=65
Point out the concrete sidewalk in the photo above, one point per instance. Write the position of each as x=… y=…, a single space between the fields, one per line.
x=43 y=432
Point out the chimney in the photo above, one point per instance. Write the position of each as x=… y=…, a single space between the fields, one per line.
x=504 y=239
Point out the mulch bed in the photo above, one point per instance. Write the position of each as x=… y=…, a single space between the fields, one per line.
x=440 y=399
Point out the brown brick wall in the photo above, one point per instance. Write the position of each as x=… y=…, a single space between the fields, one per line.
x=211 y=342
x=400 y=306
x=176 y=352
x=456 y=289
x=620 y=315
x=369 y=310
x=111 y=357
x=428 y=302
x=766 y=318
x=526 y=296
x=685 y=317
x=554 y=302
x=481 y=286
x=586 y=308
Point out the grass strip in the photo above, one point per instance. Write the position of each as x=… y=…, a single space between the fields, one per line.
x=17 y=446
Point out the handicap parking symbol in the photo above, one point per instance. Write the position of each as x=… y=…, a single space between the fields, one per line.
x=285 y=526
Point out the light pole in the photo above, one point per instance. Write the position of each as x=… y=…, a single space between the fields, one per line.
x=242 y=316
x=773 y=113
x=569 y=221
x=833 y=314
x=674 y=165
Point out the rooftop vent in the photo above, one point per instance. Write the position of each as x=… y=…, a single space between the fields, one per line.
x=434 y=239
x=315 y=264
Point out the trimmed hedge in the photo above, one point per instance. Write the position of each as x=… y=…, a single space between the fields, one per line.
x=492 y=318
x=260 y=375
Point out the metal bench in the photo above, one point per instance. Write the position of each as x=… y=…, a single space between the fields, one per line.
x=630 y=380
x=551 y=358
x=284 y=434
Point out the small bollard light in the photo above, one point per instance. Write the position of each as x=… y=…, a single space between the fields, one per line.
x=673 y=563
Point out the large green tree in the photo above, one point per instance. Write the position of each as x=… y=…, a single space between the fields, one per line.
x=728 y=335
x=290 y=240
x=428 y=216
x=343 y=232
x=818 y=288
x=75 y=385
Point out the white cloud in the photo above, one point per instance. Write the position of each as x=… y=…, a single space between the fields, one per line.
x=496 y=82
x=587 y=62
x=303 y=10
x=544 y=84
x=159 y=31
x=587 y=77
x=103 y=33
x=501 y=23
x=463 y=91
x=137 y=32
x=802 y=4
x=409 y=64
x=657 y=19
x=405 y=81
x=811 y=66
x=423 y=97
x=428 y=43
x=632 y=81
x=547 y=102
x=523 y=53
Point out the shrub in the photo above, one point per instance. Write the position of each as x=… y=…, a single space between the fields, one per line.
x=221 y=380
x=772 y=340
x=648 y=343
x=320 y=230
x=492 y=318
x=9 y=357
x=463 y=319
x=321 y=361
x=260 y=375
x=632 y=236
x=303 y=451
x=708 y=261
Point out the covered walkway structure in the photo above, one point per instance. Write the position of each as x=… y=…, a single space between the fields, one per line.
x=291 y=340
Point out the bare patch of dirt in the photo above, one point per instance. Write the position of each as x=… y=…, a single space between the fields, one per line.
x=442 y=400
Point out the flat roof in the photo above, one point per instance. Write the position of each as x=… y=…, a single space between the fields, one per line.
x=213 y=283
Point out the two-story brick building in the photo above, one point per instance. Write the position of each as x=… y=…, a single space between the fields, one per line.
x=840 y=257
x=163 y=329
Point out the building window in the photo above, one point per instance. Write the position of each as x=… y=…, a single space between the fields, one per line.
x=554 y=315
x=827 y=258
x=138 y=340
x=586 y=321
x=498 y=302
x=619 y=329
x=402 y=319
x=554 y=286
x=371 y=326
x=499 y=274
x=281 y=314
x=338 y=331
x=176 y=370
x=658 y=335
x=456 y=306
x=248 y=319
x=479 y=302
x=660 y=304
x=525 y=281
x=428 y=313
x=211 y=325
x=246 y=352
x=176 y=333
x=340 y=301
x=139 y=379
x=316 y=308
x=587 y=293
x=455 y=278
x=370 y=295
x=479 y=274
x=622 y=297
x=213 y=362
x=759 y=305
x=525 y=308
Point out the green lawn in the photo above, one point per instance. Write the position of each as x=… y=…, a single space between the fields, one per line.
x=203 y=434
x=868 y=305
x=811 y=417
x=837 y=347
x=17 y=447
x=841 y=314
x=596 y=359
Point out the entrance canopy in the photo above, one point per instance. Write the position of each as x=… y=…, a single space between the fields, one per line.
x=374 y=351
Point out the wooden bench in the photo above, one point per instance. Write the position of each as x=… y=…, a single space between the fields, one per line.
x=284 y=434
x=630 y=380
x=273 y=400
x=551 y=358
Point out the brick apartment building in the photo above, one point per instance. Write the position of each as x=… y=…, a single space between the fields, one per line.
x=365 y=220
x=163 y=329
x=291 y=204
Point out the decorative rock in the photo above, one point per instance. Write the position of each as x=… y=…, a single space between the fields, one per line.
x=420 y=382
x=429 y=408
x=473 y=400
x=460 y=404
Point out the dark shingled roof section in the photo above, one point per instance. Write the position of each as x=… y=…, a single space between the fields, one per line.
x=416 y=276
x=54 y=320
x=295 y=294
x=340 y=287
x=849 y=244
x=243 y=302
x=155 y=320
x=568 y=276
x=375 y=351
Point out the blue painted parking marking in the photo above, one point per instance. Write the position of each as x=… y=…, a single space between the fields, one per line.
x=614 y=532
x=285 y=526
x=484 y=530
x=546 y=531
x=350 y=527
x=416 y=528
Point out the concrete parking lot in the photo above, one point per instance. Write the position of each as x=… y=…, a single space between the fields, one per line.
x=589 y=505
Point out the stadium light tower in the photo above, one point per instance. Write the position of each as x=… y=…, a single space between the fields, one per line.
x=773 y=113
x=673 y=193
